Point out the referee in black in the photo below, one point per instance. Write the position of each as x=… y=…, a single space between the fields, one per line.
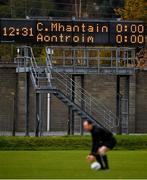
x=102 y=142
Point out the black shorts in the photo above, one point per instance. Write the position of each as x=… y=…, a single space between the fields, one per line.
x=110 y=143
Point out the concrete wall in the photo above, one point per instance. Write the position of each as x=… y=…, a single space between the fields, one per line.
x=21 y=99
x=103 y=88
x=7 y=93
x=12 y=100
x=59 y=115
x=141 y=102
x=12 y=86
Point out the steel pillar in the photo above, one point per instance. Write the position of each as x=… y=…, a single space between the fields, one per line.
x=27 y=104
x=15 y=109
x=125 y=114
x=37 y=116
x=40 y=114
x=38 y=129
x=118 y=101
x=72 y=112
x=82 y=102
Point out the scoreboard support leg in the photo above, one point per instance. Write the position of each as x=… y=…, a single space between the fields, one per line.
x=125 y=118
x=37 y=116
x=122 y=104
x=40 y=114
x=72 y=112
x=39 y=110
x=71 y=116
x=27 y=104
x=82 y=102
x=118 y=102
x=69 y=122
x=15 y=107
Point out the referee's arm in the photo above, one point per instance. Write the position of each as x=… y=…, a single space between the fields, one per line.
x=95 y=146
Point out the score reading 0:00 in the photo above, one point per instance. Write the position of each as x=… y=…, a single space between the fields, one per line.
x=131 y=34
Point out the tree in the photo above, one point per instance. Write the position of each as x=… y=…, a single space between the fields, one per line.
x=23 y=8
x=3 y=2
x=133 y=10
x=63 y=8
x=5 y=10
x=39 y=8
x=101 y=8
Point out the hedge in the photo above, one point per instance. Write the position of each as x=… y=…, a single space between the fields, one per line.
x=124 y=142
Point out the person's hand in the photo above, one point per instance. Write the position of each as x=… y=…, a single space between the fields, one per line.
x=90 y=158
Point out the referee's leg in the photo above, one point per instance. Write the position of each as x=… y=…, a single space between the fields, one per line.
x=100 y=160
x=102 y=152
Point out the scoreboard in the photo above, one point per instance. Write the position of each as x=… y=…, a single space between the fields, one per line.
x=72 y=32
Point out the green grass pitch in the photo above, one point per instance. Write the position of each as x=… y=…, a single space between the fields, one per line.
x=70 y=164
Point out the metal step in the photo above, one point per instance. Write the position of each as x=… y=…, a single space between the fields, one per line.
x=64 y=100
x=80 y=113
x=75 y=110
x=70 y=105
x=84 y=117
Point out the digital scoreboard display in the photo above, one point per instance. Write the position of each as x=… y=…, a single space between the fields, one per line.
x=72 y=32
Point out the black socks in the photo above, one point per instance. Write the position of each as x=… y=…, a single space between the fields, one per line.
x=99 y=159
x=103 y=160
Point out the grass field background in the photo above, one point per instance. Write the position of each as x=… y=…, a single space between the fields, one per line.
x=70 y=164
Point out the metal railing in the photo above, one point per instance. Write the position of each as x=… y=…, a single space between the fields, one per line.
x=44 y=77
x=81 y=97
x=25 y=59
x=100 y=60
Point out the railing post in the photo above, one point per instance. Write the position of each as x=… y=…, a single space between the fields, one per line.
x=66 y=87
x=117 y=56
x=111 y=123
x=104 y=116
x=90 y=103
x=98 y=61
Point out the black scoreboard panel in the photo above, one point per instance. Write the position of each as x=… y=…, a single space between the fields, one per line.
x=72 y=33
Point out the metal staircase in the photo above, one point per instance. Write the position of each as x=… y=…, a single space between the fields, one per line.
x=46 y=79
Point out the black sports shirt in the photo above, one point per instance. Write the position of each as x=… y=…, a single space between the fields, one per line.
x=99 y=136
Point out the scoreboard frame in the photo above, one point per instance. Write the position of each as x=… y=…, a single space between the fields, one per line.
x=58 y=32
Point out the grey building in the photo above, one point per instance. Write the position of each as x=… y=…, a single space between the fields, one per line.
x=17 y=117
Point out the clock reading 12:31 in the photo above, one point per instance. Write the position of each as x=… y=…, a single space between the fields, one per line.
x=12 y=31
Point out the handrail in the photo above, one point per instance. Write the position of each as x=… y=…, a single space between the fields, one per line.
x=88 y=108
x=89 y=101
x=87 y=94
x=64 y=83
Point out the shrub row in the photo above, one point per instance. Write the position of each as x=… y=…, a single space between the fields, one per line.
x=128 y=142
